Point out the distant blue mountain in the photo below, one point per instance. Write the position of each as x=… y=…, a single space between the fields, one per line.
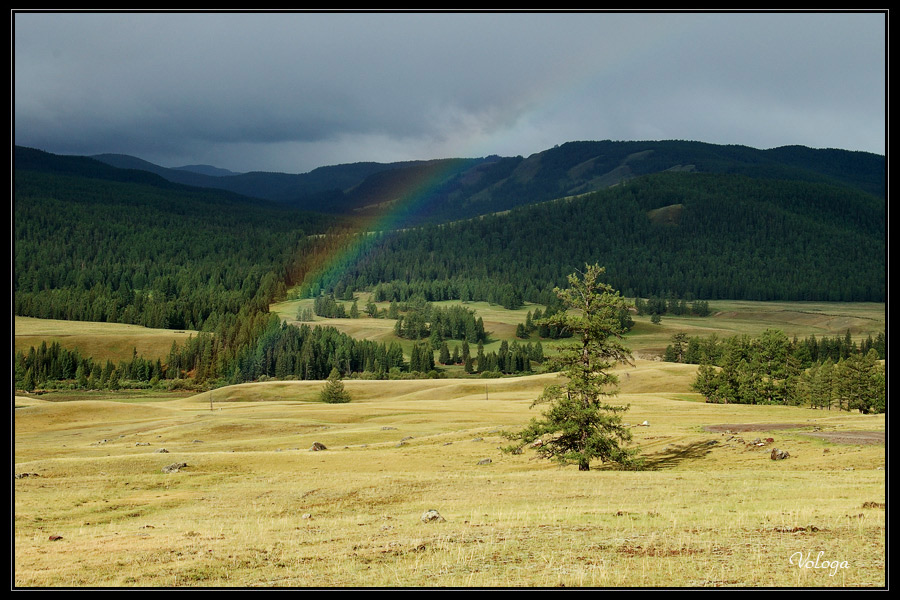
x=467 y=187
x=207 y=170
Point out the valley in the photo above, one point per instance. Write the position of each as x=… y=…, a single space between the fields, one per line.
x=170 y=348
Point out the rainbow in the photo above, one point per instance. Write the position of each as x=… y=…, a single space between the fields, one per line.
x=541 y=105
x=333 y=254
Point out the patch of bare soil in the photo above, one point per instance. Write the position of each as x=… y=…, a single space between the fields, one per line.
x=851 y=437
x=741 y=427
x=837 y=437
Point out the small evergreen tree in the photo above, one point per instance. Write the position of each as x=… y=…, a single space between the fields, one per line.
x=415 y=360
x=80 y=378
x=28 y=385
x=114 y=383
x=334 y=392
x=707 y=382
x=445 y=354
x=538 y=354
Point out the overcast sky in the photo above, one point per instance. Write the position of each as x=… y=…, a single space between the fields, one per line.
x=291 y=92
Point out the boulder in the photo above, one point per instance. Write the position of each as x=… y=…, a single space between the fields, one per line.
x=317 y=446
x=174 y=467
x=779 y=454
x=429 y=516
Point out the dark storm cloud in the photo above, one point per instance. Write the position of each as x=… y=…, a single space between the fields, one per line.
x=290 y=92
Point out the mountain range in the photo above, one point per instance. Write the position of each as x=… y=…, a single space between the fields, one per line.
x=467 y=187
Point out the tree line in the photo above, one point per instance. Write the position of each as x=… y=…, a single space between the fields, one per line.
x=771 y=369
x=671 y=306
x=805 y=352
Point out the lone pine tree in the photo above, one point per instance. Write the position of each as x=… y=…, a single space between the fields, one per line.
x=580 y=425
x=334 y=392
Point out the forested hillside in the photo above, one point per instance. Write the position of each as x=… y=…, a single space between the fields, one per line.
x=689 y=235
x=100 y=244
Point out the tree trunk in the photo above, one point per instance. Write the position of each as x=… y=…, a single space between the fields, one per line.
x=584 y=465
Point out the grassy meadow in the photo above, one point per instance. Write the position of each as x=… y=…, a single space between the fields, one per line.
x=255 y=506
x=115 y=341
x=728 y=318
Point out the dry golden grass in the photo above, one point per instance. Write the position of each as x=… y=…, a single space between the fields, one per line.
x=256 y=507
x=737 y=317
x=115 y=341
x=729 y=317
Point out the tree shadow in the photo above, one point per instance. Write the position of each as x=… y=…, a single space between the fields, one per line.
x=666 y=459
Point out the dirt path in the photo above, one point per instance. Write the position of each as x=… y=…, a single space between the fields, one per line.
x=837 y=437
x=741 y=427
x=851 y=437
